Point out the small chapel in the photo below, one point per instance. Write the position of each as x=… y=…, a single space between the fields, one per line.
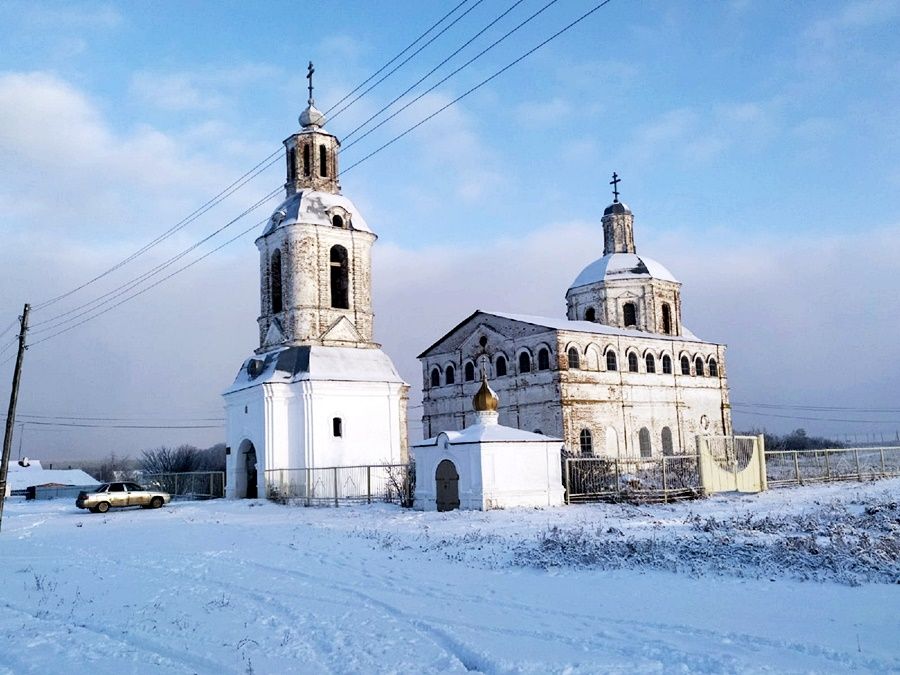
x=619 y=377
x=318 y=391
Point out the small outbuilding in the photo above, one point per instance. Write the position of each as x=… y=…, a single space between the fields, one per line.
x=487 y=465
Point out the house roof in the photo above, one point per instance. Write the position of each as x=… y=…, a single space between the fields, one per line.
x=487 y=433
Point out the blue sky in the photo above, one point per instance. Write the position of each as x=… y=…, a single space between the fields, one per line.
x=758 y=144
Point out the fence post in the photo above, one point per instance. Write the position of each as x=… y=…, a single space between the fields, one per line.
x=568 y=500
x=307 y=485
x=368 y=484
x=883 y=472
x=665 y=483
x=827 y=467
x=176 y=483
x=335 y=487
x=797 y=468
x=763 y=475
x=211 y=485
x=858 y=470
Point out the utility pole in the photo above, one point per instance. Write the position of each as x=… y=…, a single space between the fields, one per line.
x=11 y=415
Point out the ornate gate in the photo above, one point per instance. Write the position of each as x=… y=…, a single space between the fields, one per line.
x=732 y=463
x=447 y=480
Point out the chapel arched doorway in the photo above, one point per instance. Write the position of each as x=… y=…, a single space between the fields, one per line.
x=447 y=486
x=246 y=477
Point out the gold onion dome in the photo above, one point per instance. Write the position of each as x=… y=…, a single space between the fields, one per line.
x=486 y=400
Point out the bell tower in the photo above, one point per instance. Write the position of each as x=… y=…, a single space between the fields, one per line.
x=315 y=253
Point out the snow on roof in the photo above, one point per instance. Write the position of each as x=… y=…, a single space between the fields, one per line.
x=296 y=363
x=614 y=266
x=591 y=327
x=488 y=433
x=312 y=207
x=21 y=479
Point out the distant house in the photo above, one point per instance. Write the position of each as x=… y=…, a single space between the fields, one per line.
x=20 y=478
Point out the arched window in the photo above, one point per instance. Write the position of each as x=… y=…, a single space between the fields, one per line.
x=586 y=441
x=713 y=368
x=544 y=359
x=291 y=161
x=644 y=441
x=501 y=366
x=323 y=161
x=275 y=282
x=667 y=441
x=337 y=221
x=651 y=363
x=590 y=314
x=698 y=366
x=632 y=362
x=450 y=375
x=685 y=366
x=524 y=362
x=574 y=361
x=667 y=318
x=469 y=372
x=435 y=377
x=340 y=282
x=611 y=363
x=337 y=427
x=629 y=313
x=667 y=365
x=306 y=160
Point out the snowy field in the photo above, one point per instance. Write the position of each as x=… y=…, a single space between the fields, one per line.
x=799 y=580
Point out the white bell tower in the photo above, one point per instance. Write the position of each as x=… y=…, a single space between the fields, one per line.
x=318 y=392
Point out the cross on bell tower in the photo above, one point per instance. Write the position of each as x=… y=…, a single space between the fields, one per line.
x=309 y=73
x=614 y=182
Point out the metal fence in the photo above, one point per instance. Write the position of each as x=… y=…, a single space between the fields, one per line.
x=799 y=467
x=656 y=479
x=187 y=485
x=332 y=485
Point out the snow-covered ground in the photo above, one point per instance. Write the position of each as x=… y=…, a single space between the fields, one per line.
x=792 y=580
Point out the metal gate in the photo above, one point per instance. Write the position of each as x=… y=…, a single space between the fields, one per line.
x=732 y=463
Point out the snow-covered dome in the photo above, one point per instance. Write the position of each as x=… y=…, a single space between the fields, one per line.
x=614 y=266
x=617 y=208
x=312 y=117
x=315 y=208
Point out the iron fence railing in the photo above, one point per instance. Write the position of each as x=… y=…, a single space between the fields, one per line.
x=652 y=479
x=799 y=467
x=332 y=485
x=187 y=485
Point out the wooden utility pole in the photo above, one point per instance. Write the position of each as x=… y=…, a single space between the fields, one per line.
x=11 y=415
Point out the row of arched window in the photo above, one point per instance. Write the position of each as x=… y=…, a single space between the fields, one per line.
x=339 y=279
x=630 y=316
x=651 y=364
x=586 y=442
x=307 y=164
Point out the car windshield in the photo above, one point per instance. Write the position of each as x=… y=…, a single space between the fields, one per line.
x=102 y=488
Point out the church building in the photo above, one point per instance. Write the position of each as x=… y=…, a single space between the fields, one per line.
x=620 y=376
x=318 y=392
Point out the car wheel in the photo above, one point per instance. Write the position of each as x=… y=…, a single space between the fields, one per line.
x=102 y=507
x=93 y=509
x=156 y=502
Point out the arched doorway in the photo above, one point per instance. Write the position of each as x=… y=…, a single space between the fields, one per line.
x=447 y=486
x=246 y=477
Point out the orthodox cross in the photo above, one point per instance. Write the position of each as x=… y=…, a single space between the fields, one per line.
x=615 y=183
x=309 y=73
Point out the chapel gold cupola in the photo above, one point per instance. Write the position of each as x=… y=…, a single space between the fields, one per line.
x=312 y=152
x=623 y=289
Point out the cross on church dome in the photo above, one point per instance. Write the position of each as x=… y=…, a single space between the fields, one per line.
x=614 y=182
x=312 y=116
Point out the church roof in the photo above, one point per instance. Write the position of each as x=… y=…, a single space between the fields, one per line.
x=487 y=433
x=616 y=208
x=312 y=362
x=615 y=266
x=312 y=207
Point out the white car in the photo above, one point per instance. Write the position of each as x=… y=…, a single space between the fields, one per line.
x=121 y=494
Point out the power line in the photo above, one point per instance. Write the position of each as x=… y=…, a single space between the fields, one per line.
x=817 y=419
x=462 y=67
x=227 y=192
x=432 y=71
x=108 y=297
x=11 y=325
x=90 y=425
x=406 y=49
x=830 y=408
x=154 y=285
x=473 y=89
x=407 y=60
x=27 y=418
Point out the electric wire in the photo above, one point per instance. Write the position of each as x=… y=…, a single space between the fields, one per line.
x=829 y=408
x=154 y=285
x=453 y=73
x=89 y=425
x=405 y=49
x=11 y=325
x=817 y=419
x=475 y=88
x=81 y=418
x=407 y=60
x=112 y=295
x=227 y=192
x=437 y=67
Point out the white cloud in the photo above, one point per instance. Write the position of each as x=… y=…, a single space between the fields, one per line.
x=202 y=89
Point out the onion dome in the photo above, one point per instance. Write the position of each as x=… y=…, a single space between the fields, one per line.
x=485 y=400
x=617 y=208
x=312 y=117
